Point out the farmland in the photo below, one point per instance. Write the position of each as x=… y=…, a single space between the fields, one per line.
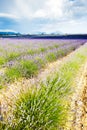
x=42 y=96
x=24 y=58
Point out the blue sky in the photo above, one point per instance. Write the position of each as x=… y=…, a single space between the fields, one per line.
x=32 y=16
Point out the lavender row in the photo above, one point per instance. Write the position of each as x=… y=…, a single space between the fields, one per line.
x=58 y=52
x=15 y=45
x=27 y=65
x=14 y=50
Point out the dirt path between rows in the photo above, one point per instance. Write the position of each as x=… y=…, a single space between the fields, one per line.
x=79 y=102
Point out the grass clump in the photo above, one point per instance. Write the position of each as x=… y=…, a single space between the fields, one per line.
x=56 y=46
x=12 y=56
x=2 y=60
x=37 y=51
x=42 y=49
x=13 y=73
x=28 y=69
x=31 y=52
x=41 y=109
x=25 y=69
x=40 y=62
x=51 y=47
x=61 y=53
x=51 y=57
x=1 y=86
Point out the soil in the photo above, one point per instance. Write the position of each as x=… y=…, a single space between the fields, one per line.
x=79 y=102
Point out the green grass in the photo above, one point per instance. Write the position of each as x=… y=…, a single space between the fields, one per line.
x=47 y=107
x=2 y=60
x=39 y=62
x=42 y=49
x=12 y=74
x=51 y=47
x=51 y=57
x=31 y=52
x=40 y=109
x=9 y=57
x=61 y=53
x=1 y=86
x=12 y=56
x=37 y=51
x=28 y=69
x=56 y=46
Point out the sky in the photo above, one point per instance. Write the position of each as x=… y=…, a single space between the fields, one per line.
x=34 y=16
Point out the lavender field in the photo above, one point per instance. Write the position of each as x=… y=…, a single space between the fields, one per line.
x=25 y=57
x=14 y=50
x=30 y=101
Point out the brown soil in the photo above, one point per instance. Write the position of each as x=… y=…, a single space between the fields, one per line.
x=79 y=102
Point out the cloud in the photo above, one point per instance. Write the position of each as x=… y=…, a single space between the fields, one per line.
x=65 y=27
x=45 y=15
x=7 y=30
x=7 y=15
x=47 y=9
x=51 y=9
x=40 y=9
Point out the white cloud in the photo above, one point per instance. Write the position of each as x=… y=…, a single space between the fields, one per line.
x=55 y=8
x=65 y=27
x=7 y=30
x=51 y=9
x=38 y=9
x=8 y=16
